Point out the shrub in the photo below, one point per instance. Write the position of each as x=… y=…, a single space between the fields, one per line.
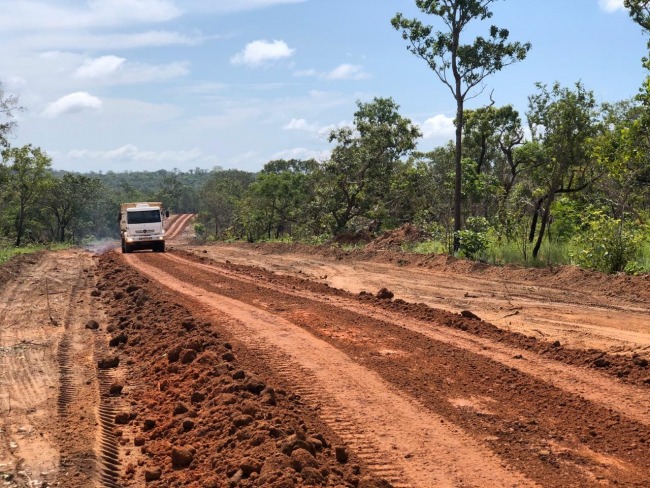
x=474 y=240
x=607 y=245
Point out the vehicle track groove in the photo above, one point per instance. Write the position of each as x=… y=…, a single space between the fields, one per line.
x=397 y=420
x=626 y=399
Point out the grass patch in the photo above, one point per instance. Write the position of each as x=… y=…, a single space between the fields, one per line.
x=8 y=252
x=425 y=247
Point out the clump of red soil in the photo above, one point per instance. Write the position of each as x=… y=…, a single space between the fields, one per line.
x=195 y=416
x=396 y=238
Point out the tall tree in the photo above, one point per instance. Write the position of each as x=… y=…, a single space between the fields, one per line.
x=461 y=67
x=563 y=122
x=221 y=196
x=278 y=198
x=68 y=198
x=28 y=174
x=357 y=177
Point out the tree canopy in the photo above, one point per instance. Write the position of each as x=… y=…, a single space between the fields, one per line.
x=461 y=66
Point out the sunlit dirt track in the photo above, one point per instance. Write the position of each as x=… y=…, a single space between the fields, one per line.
x=464 y=409
x=236 y=365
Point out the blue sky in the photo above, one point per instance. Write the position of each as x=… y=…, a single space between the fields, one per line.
x=161 y=84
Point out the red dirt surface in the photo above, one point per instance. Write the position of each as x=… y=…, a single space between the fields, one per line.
x=287 y=366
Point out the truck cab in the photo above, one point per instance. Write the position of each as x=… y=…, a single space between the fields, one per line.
x=142 y=226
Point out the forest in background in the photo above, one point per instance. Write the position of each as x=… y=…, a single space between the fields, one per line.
x=566 y=182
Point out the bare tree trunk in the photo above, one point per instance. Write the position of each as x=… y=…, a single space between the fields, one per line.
x=20 y=224
x=458 y=191
x=545 y=217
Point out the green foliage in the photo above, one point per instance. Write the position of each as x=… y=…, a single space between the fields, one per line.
x=27 y=180
x=474 y=239
x=563 y=123
x=356 y=180
x=443 y=51
x=274 y=203
x=70 y=200
x=567 y=219
x=607 y=244
x=221 y=198
x=200 y=232
x=639 y=11
x=460 y=66
x=426 y=247
x=6 y=253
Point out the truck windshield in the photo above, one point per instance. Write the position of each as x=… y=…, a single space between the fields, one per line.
x=143 y=216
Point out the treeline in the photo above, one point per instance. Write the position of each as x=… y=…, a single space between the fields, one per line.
x=576 y=174
x=580 y=179
x=39 y=205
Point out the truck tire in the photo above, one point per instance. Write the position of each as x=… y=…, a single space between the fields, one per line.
x=159 y=247
x=127 y=249
x=123 y=247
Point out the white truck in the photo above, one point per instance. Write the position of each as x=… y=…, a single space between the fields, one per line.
x=141 y=226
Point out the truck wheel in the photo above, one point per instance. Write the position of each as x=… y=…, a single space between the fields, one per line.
x=127 y=248
x=160 y=247
x=123 y=247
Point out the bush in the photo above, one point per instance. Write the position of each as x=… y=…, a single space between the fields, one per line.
x=607 y=245
x=474 y=240
x=200 y=232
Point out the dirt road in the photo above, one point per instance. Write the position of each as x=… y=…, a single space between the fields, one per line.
x=267 y=366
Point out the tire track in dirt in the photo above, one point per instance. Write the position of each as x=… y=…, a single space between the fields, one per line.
x=393 y=433
x=177 y=226
x=78 y=395
x=47 y=366
x=547 y=306
x=581 y=450
x=27 y=377
x=304 y=383
x=591 y=385
x=108 y=446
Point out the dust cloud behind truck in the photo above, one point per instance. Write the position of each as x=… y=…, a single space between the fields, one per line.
x=142 y=226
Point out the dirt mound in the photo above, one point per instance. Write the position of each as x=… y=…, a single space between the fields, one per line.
x=195 y=417
x=394 y=239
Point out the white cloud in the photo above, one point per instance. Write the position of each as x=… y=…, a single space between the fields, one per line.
x=303 y=125
x=99 y=67
x=227 y=6
x=130 y=153
x=30 y=15
x=73 y=40
x=438 y=127
x=344 y=71
x=259 y=53
x=306 y=73
x=113 y=69
x=611 y=5
x=300 y=124
x=347 y=72
x=73 y=103
x=302 y=153
x=14 y=83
